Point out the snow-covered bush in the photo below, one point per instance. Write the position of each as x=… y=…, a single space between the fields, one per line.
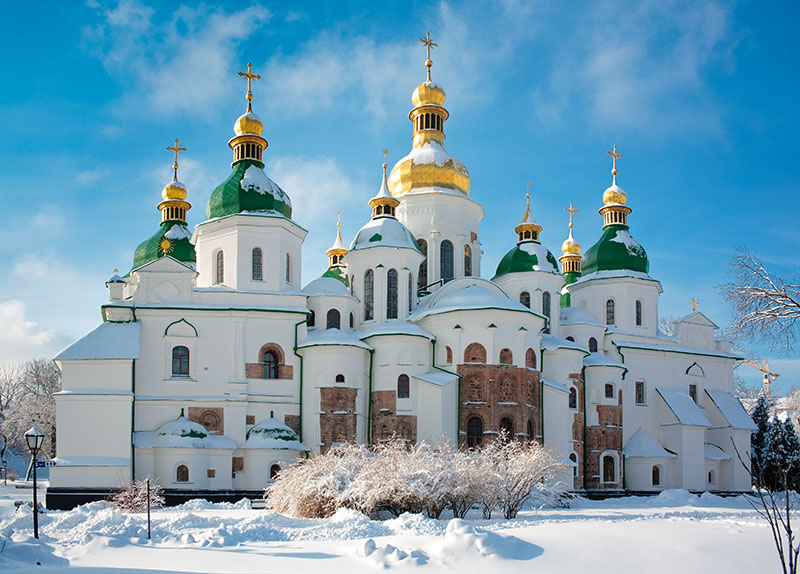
x=132 y=496
x=399 y=477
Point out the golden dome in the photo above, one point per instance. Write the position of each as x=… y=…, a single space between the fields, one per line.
x=428 y=165
x=571 y=246
x=615 y=195
x=428 y=93
x=174 y=190
x=248 y=123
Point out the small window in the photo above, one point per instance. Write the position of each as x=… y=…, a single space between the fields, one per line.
x=467 y=261
x=288 y=268
x=546 y=309
x=182 y=473
x=391 y=294
x=638 y=313
x=410 y=292
x=403 y=387
x=446 y=252
x=369 y=294
x=257 y=264
x=312 y=319
x=639 y=392
x=530 y=359
x=656 y=475
x=592 y=345
x=474 y=432
x=352 y=321
x=693 y=392
x=448 y=355
x=609 y=391
x=340 y=378
x=220 y=275
x=270 y=363
x=610 y=312
x=507 y=427
x=525 y=299
x=333 y=320
x=274 y=470
x=506 y=357
x=573 y=398
x=609 y=469
x=712 y=477
x=422 y=276
x=180 y=361
x=574 y=459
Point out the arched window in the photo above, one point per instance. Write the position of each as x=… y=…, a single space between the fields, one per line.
x=257 y=264
x=638 y=313
x=182 y=473
x=369 y=295
x=288 y=268
x=312 y=320
x=340 y=378
x=610 y=312
x=609 y=469
x=448 y=355
x=475 y=353
x=656 y=475
x=506 y=357
x=446 y=252
x=571 y=338
x=220 y=275
x=422 y=276
x=273 y=471
x=525 y=299
x=712 y=477
x=270 y=363
x=507 y=428
x=403 y=387
x=592 y=345
x=180 y=361
x=530 y=359
x=352 y=321
x=391 y=294
x=474 y=432
x=609 y=391
x=640 y=392
x=467 y=261
x=546 y=309
x=333 y=320
x=410 y=292
x=574 y=459
x=573 y=398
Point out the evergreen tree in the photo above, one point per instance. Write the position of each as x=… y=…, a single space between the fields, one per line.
x=759 y=439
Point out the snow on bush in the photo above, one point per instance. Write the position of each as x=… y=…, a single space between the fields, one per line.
x=399 y=477
x=132 y=497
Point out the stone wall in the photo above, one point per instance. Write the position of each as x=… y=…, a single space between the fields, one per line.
x=387 y=423
x=606 y=436
x=337 y=422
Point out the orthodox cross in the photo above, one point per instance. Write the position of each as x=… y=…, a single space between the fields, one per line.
x=339 y=219
x=427 y=41
x=250 y=77
x=616 y=156
x=571 y=211
x=177 y=149
x=694 y=303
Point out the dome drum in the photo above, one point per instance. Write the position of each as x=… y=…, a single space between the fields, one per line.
x=615 y=214
x=248 y=146
x=174 y=210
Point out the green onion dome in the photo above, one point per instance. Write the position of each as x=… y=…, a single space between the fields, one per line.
x=173 y=238
x=527 y=256
x=335 y=272
x=248 y=189
x=615 y=250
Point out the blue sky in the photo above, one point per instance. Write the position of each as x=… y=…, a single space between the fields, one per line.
x=700 y=97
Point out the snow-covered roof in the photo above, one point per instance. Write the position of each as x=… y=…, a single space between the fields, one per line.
x=713 y=452
x=577 y=316
x=395 y=327
x=551 y=343
x=697 y=318
x=554 y=385
x=467 y=294
x=384 y=232
x=92 y=461
x=600 y=360
x=439 y=378
x=256 y=180
x=182 y=433
x=731 y=409
x=327 y=286
x=644 y=445
x=674 y=349
x=683 y=407
x=107 y=341
x=614 y=274
x=332 y=337
x=272 y=434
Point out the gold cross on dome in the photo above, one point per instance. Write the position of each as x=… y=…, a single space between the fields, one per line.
x=571 y=210
x=177 y=149
x=250 y=75
x=694 y=303
x=616 y=156
x=427 y=41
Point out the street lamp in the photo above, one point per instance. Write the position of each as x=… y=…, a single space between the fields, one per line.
x=34 y=440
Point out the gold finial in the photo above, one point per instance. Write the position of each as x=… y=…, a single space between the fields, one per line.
x=116 y=271
x=385 y=153
x=250 y=77
x=177 y=149
x=339 y=219
x=615 y=157
x=427 y=41
x=571 y=210
x=694 y=303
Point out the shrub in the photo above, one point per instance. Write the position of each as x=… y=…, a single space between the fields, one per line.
x=132 y=496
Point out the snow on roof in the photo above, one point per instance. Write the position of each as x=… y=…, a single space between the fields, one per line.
x=395 y=327
x=576 y=316
x=623 y=236
x=255 y=179
x=439 y=378
x=470 y=296
x=675 y=349
x=600 y=360
x=683 y=407
x=178 y=231
x=182 y=433
x=697 y=318
x=384 y=232
x=107 y=341
x=328 y=286
x=713 y=452
x=616 y=273
x=273 y=434
x=332 y=338
x=554 y=385
x=92 y=461
x=644 y=445
x=731 y=409
x=551 y=343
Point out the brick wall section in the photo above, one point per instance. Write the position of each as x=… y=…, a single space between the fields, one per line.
x=386 y=422
x=293 y=422
x=494 y=392
x=338 y=421
x=577 y=428
x=606 y=436
x=212 y=418
x=256 y=371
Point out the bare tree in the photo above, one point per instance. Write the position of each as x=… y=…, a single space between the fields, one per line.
x=667 y=324
x=765 y=307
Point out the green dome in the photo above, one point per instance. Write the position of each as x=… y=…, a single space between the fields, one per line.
x=527 y=256
x=248 y=189
x=179 y=247
x=615 y=249
x=335 y=272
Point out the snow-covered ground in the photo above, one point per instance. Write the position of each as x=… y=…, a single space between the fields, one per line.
x=674 y=532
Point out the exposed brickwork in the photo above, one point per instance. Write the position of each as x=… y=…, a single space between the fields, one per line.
x=385 y=420
x=256 y=370
x=338 y=421
x=237 y=465
x=211 y=473
x=496 y=392
x=606 y=436
x=475 y=353
x=250 y=419
x=293 y=422
x=212 y=418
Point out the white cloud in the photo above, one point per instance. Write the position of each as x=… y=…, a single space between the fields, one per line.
x=21 y=339
x=90 y=176
x=182 y=63
x=49 y=217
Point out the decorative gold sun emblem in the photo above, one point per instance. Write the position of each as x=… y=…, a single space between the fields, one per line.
x=165 y=245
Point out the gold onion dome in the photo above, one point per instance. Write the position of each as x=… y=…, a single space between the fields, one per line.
x=614 y=195
x=248 y=123
x=570 y=245
x=428 y=94
x=174 y=190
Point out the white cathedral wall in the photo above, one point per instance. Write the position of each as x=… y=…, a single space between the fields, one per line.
x=321 y=304
x=105 y=375
x=624 y=291
x=257 y=464
x=639 y=474
x=536 y=283
x=93 y=426
x=89 y=476
x=596 y=379
x=557 y=423
x=689 y=467
x=437 y=413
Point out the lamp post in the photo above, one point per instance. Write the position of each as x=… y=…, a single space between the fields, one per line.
x=34 y=440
